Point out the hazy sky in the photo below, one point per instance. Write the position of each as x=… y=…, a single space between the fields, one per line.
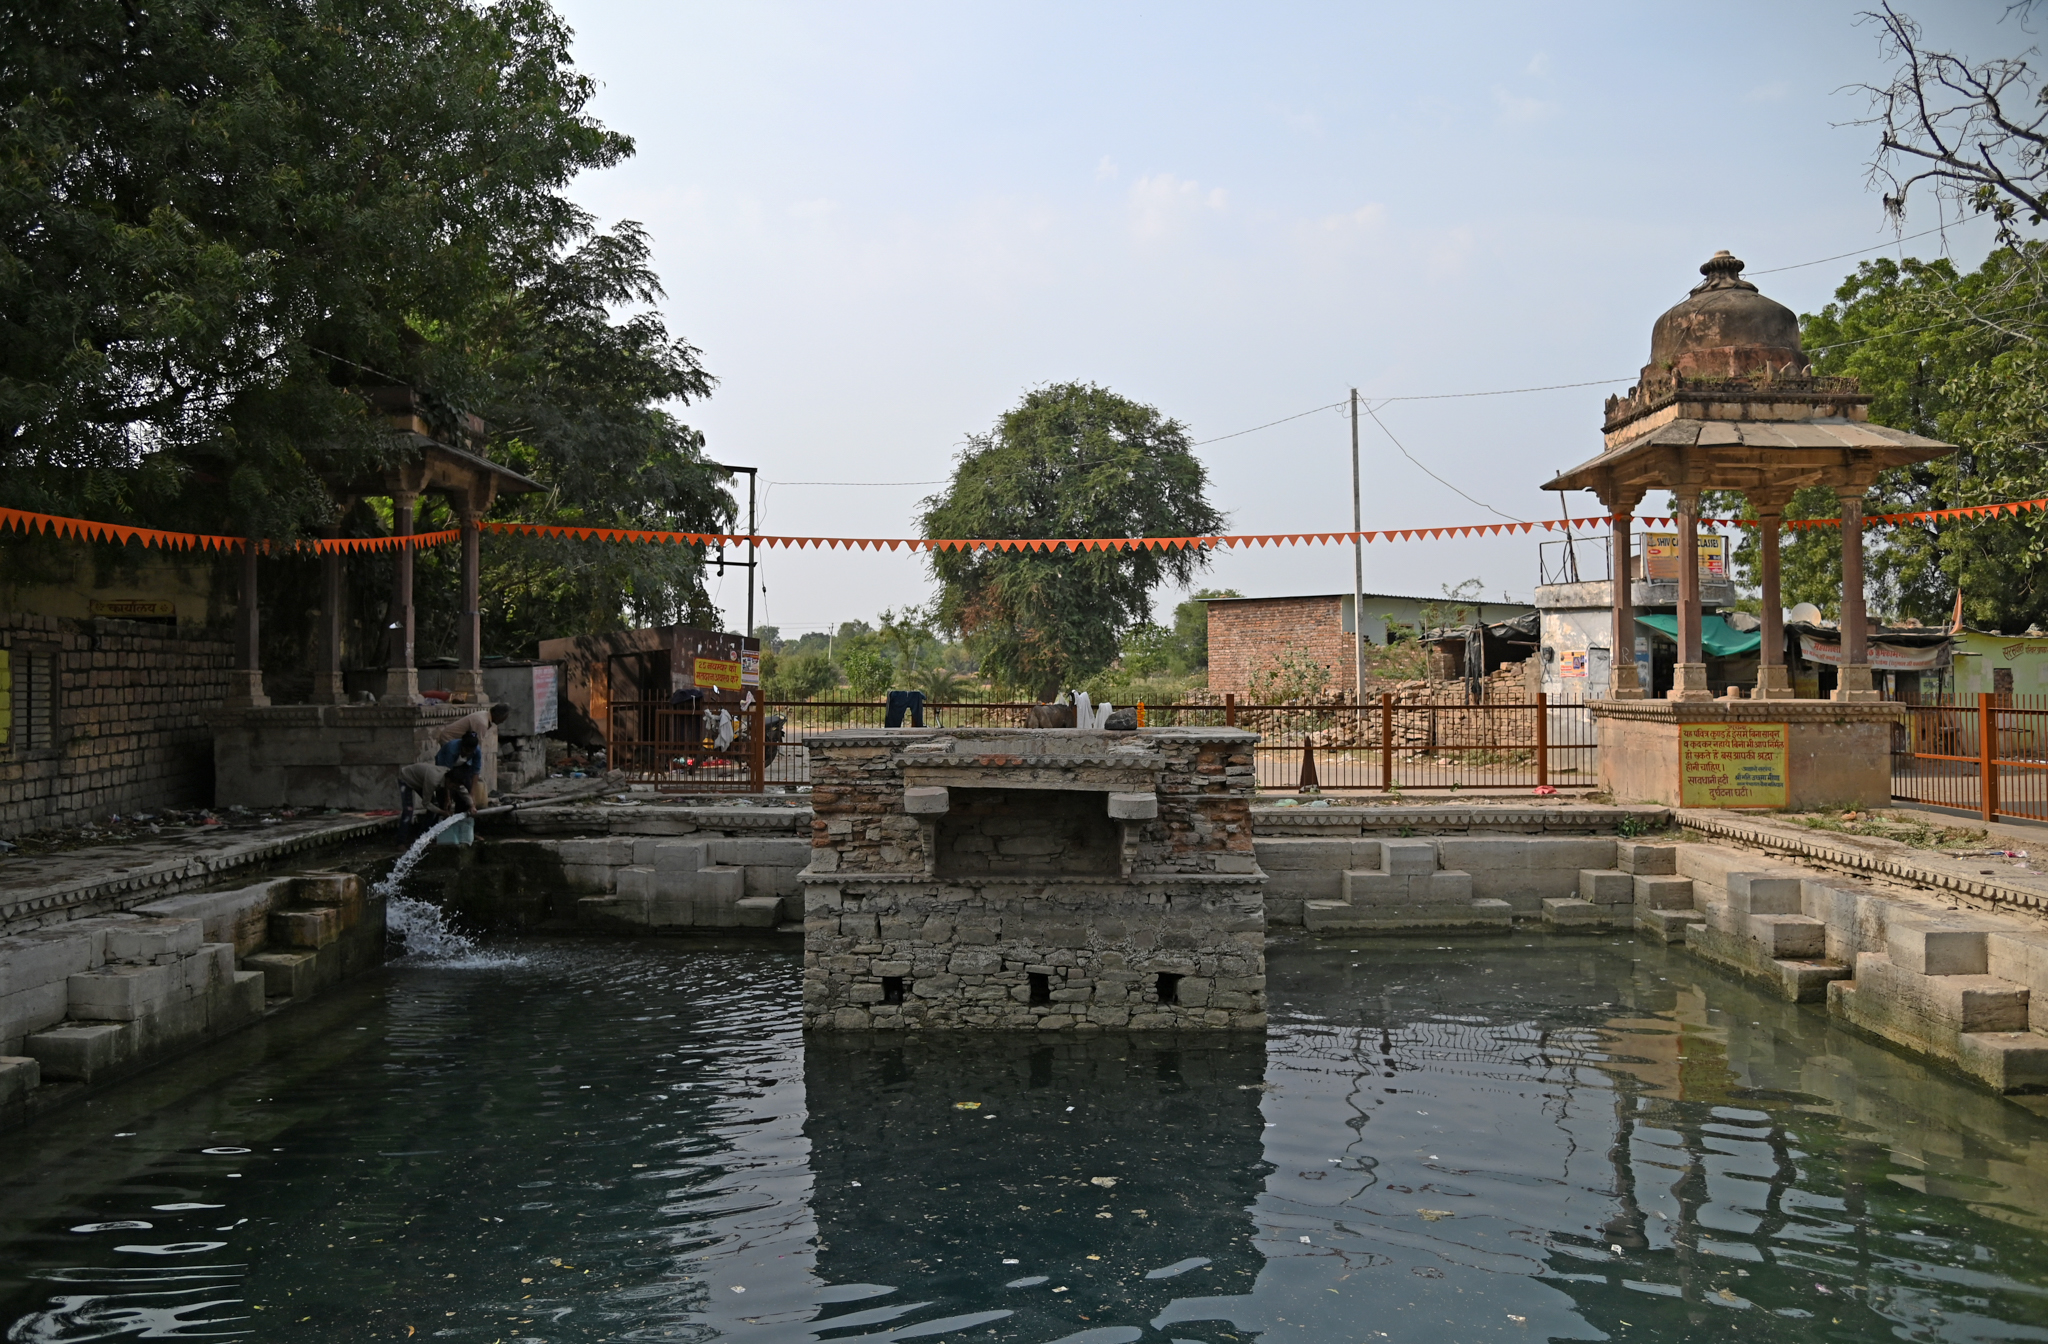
x=884 y=223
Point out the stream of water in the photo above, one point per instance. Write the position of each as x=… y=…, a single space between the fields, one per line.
x=1517 y=1138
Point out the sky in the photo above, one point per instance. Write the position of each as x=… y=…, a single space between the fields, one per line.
x=883 y=224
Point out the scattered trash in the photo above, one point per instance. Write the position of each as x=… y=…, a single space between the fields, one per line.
x=1104 y=1181
x=1428 y=1215
x=1013 y=1262
x=736 y=1288
x=966 y=1105
x=1543 y=791
x=1305 y=1241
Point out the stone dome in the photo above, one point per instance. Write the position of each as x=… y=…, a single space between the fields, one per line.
x=1725 y=329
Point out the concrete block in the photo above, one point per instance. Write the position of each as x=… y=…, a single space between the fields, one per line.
x=1235 y=863
x=1401 y=858
x=314 y=928
x=759 y=851
x=1292 y=854
x=145 y=940
x=1764 y=893
x=927 y=801
x=1664 y=893
x=121 y=993
x=1570 y=851
x=1607 y=887
x=211 y=966
x=1442 y=886
x=1484 y=853
x=1418 y=917
x=247 y=990
x=588 y=876
x=1574 y=913
x=1665 y=925
x=30 y=1010
x=1788 y=936
x=285 y=974
x=1937 y=949
x=1638 y=859
x=610 y=852
x=2008 y=1061
x=1980 y=1002
x=81 y=1053
x=19 y=1076
x=32 y=960
x=1133 y=806
x=673 y=857
x=635 y=882
x=758 y=912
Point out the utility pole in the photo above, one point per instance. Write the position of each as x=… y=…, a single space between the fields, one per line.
x=1357 y=569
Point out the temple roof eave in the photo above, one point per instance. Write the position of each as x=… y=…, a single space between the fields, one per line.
x=1749 y=455
x=433 y=466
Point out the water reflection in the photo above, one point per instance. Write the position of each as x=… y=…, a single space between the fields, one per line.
x=1048 y=1186
x=1519 y=1138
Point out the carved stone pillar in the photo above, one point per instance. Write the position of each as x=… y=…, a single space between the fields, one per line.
x=1773 y=678
x=1624 y=683
x=245 y=684
x=401 y=678
x=327 y=681
x=1689 y=678
x=1853 y=681
x=469 y=676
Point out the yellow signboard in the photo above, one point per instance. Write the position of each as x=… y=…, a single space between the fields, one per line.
x=1733 y=764
x=716 y=673
x=1660 y=556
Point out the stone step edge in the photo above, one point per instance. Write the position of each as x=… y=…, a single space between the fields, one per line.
x=1758 y=837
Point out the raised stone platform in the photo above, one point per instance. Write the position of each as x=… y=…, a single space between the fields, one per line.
x=343 y=756
x=1048 y=880
x=1837 y=755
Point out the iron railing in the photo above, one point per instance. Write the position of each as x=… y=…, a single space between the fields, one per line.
x=1990 y=757
x=1389 y=746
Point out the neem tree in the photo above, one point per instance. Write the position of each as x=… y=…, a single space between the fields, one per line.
x=1071 y=460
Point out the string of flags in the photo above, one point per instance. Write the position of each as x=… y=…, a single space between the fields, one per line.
x=24 y=521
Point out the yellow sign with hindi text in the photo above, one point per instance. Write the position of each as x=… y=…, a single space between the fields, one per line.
x=1733 y=764
x=716 y=673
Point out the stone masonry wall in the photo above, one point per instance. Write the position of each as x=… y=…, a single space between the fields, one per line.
x=129 y=726
x=896 y=938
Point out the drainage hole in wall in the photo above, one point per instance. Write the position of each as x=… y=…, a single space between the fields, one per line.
x=1169 y=987
x=892 y=989
x=1041 y=987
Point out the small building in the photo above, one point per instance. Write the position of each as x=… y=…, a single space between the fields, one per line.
x=1988 y=663
x=1247 y=633
x=615 y=685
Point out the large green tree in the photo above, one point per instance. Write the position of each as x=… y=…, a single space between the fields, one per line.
x=222 y=219
x=1070 y=460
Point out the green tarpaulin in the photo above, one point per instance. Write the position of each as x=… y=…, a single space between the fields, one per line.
x=1715 y=637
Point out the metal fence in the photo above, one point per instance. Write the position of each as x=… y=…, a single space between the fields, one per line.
x=1387 y=747
x=1990 y=757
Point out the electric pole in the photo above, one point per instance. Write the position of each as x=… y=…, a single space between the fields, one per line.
x=1357 y=570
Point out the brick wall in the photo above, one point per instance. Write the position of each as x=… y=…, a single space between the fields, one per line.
x=1244 y=638
x=128 y=728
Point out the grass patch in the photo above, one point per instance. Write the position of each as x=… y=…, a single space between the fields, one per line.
x=1917 y=832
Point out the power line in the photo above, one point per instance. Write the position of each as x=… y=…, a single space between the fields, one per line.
x=1508 y=391
x=1374 y=413
x=938 y=482
x=1268 y=425
x=1840 y=255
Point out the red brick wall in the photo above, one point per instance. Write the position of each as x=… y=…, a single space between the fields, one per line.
x=1245 y=636
x=131 y=729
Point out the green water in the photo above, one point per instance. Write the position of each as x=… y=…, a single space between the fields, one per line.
x=1521 y=1138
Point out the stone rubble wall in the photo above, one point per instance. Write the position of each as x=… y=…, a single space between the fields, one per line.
x=103 y=996
x=131 y=709
x=965 y=957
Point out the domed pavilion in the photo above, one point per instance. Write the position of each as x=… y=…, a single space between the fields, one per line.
x=1728 y=401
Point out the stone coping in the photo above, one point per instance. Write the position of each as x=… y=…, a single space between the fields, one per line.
x=843 y=878
x=55 y=887
x=1126 y=760
x=1053 y=737
x=341 y=716
x=613 y=818
x=1440 y=819
x=1750 y=711
x=1869 y=854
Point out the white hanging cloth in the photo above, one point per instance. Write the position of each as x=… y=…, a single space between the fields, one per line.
x=724 y=730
